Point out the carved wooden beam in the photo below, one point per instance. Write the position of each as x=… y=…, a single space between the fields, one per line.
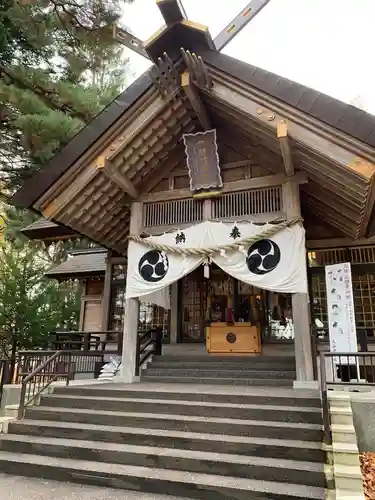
x=338 y=242
x=192 y=94
x=113 y=175
x=286 y=150
x=242 y=185
x=327 y=143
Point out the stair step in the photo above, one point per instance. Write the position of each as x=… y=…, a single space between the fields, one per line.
x=194 y=485
x=218 y=381
x=204 y=409
x=257 y=364
x=207 y=372
x=188 y=423
x=249 y=467
x=227 y=444
x=253 y=396
x=217 y=358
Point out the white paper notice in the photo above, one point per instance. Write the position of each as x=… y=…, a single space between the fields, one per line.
x=341 y=317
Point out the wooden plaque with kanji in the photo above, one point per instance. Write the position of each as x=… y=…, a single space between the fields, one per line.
x=203 y=161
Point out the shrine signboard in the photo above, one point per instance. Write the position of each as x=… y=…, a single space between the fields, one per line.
x=341 y=316
x=203 y=161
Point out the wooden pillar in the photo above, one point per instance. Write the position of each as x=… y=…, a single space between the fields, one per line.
x=207 y=209
x=300 y=303
x=174 y=313
x=131 y=313
x=106 y=300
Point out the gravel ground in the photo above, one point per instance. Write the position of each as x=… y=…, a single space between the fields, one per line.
x=21 y=488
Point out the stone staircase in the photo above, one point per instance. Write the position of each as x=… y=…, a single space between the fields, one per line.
x=199 y=441
x=270 y=371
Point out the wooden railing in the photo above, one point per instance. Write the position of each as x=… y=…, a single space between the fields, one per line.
x=86 y=341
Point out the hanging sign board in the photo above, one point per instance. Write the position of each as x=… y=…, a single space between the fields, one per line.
x=203 y=160
x=341 y=317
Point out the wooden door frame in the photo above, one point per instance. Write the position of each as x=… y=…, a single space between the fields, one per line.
x=181 y=311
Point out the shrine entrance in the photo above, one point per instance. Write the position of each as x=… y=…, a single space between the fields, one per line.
x=224 y=300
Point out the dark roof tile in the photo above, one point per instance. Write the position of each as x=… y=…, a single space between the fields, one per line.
x=328 y=110
x=316 y=104
x=356 y=121
x=80 y=265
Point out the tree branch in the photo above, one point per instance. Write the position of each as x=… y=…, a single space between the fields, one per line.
x=49 y=97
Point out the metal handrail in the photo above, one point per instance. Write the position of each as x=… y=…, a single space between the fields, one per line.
x=5 y=374
x=153 y=337
x=339 y=366
x=325 y=405
x=39 y=372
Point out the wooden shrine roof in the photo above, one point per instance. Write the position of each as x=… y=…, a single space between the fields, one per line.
x=125 y=151
x=44 y=229
x=81 y=264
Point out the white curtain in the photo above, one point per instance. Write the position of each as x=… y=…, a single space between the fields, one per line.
x=275 y=263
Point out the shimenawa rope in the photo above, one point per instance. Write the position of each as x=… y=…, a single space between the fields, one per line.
x=249 y=240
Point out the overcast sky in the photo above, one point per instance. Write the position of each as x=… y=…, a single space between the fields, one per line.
x=324 y=44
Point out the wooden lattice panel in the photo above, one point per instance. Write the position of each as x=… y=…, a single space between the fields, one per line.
x=321 y=258
x=245 y=203
x=169 y=213
x=362 y=255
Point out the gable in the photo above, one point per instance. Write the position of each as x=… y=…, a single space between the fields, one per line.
x=134 y=147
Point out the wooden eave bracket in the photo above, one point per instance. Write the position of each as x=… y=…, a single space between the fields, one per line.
x=113 y=175
x=285 y=147
x=196 y=102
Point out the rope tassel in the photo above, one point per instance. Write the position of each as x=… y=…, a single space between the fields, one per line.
x=206 y=270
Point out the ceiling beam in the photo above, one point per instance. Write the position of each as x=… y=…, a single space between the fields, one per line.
x=67 y=196
x=192 y=93
x=285 y=147
x=163 y=169
x=113 y=175
x=367 y=209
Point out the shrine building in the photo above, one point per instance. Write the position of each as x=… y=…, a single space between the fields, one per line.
x=216 y=192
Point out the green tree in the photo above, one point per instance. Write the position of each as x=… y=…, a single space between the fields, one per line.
x=59 y=66
x=31 y=305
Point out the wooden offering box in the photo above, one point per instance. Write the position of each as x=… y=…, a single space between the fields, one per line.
x=233 y=338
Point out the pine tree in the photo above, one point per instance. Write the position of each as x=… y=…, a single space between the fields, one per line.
x=59 y=66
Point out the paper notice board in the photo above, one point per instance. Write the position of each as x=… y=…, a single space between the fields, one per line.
x=341 y=314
